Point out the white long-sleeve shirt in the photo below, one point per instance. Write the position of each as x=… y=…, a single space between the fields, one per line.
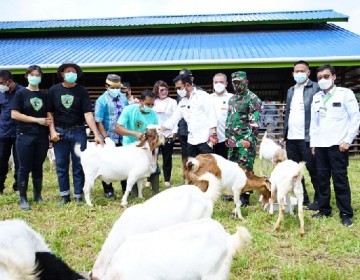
x=164 y=109
x=221 y=103
x=199 y=113
x=334 y=120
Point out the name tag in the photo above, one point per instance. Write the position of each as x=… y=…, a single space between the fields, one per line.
x=336 y=104
x=322 y=112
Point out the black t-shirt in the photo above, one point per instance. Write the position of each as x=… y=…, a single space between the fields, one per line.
x=69 y=104
x=30 y=103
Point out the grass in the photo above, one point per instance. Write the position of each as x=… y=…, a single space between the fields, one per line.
x=327 y=251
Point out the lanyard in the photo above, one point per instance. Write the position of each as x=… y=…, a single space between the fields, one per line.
x=331 y=94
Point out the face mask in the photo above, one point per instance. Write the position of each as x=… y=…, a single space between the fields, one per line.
x=145 y=109
x=114 y=92
x=181 y=92
x=239 y=87
x=34 y=80
x=300 y=77
x=219 y=87
x=325 y=84
x=4 y=88
x=70 y=77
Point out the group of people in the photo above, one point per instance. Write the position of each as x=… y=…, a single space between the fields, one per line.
x=321 y=121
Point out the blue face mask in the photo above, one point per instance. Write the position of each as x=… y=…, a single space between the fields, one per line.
x=70 y=77
x=34 y=80
x=300 y=77
x=114 y=92
x=145 y=109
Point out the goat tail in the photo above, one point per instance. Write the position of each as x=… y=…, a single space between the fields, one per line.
x=77 y=149
x=14 y=267
x=192 y=165
x=239 y=240
x=265 y=135
x=214 y=186
x=300 y=171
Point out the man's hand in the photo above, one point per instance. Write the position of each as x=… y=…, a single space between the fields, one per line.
x=98 y=140
x=55 y=136
x=246 y=144
x=344 y=147
x=312 y=151
x=213 y=139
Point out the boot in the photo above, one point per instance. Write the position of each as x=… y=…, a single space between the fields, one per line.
x=15 y=188
x=65 y=199
x=37 y=186
x=154 y=180
x=24 y=204
x=245 y=199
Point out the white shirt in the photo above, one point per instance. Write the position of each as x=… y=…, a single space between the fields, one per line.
x=221 y=103
x=340 y=122
x=296 y=129
x=164 y=109
x=199 y=113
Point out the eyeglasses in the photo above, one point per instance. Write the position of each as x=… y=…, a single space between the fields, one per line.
x=326 y=77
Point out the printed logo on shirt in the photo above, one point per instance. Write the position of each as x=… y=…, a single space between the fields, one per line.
x=67 y=100
x=36 y=103
x=139 y=124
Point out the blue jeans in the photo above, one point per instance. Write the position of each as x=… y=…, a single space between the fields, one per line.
x=63 y=149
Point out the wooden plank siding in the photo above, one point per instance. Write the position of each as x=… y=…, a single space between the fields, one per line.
x=275 y=128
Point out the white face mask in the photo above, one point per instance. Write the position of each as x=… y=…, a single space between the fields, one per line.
x=300 y=77
x=325 y=84
x=219 y=87
x=4 y=88
x=181 y=92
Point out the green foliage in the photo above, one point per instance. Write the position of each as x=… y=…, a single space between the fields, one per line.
x=327 y=251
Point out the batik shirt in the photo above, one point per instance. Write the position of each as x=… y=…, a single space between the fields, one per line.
x=243 y=118
x=107 y=112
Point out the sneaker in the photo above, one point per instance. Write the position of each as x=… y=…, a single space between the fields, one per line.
x=167 y=185
x=346 y=220
x=78 y=200
x=320 y=215
x=109 y=195
x=313 y=206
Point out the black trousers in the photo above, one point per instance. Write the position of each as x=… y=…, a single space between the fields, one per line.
x=6 y=145
x=31 y=152
x=221 y=149
x=299 y=150
x=167 y=152
x=202 y=148
x=331 y=162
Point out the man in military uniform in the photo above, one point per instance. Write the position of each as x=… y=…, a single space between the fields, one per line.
x=242 y=125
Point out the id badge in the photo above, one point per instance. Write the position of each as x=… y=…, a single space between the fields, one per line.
x=322 y=112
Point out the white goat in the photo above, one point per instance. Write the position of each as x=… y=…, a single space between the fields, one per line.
x=232 y=177
x=270 y=152
x=170 y=207
x=194 y=250
x=24 y=255
x=111 y=164
x=286 y=178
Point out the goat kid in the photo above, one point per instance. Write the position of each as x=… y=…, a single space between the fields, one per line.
x=270 y=152
x=111 y=164
x=171 y=206
x=25 y=255
x=233 y=178
x=199 y=249
x=286 y=178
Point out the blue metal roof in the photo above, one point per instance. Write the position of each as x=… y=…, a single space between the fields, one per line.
x=248 y=18
x=325 y=42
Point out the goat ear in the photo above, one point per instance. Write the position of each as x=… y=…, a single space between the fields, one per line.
x=153 y=143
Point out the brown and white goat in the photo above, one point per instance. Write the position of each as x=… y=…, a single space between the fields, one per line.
x=112 y=164
x=234 y=180
x=270 y=152
x=286 y=178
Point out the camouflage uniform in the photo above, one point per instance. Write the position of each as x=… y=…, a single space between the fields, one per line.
x=242 y=123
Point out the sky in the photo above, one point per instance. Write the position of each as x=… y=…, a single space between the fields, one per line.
x=18 y=10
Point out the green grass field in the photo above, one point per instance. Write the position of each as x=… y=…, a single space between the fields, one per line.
x=327 y=251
